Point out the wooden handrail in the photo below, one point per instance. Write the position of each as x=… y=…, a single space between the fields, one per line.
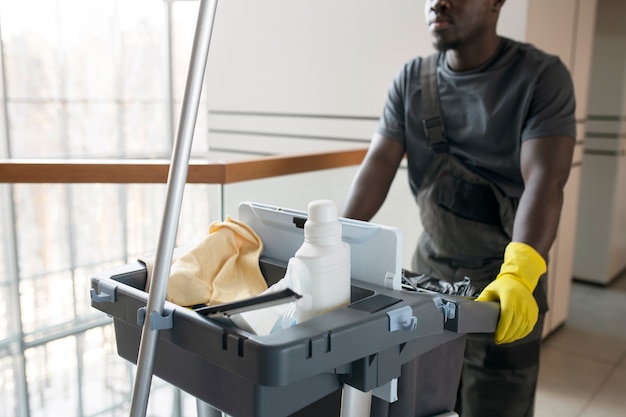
x=156 y=171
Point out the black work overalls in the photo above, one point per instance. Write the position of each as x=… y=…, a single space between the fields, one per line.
x=467 y=223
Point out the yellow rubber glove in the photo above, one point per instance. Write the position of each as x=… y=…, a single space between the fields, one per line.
x=514 y=287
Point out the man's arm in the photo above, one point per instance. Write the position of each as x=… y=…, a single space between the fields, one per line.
x=545 y=164
x=373 y=179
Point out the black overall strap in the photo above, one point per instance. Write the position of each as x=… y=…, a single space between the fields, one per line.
x=432 y=122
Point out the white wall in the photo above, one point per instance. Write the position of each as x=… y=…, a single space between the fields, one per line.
x=317 y=57
x=513 y=22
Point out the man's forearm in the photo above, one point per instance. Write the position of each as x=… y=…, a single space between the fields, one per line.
x=546 y=164
x=366 y=194
x=538 y=215
x=373 y=179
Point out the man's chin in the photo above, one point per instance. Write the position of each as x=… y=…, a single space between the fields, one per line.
x=443 y=45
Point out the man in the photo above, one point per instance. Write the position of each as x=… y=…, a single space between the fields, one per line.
x=487 y=160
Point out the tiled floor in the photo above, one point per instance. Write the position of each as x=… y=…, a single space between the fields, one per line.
x=583 y=364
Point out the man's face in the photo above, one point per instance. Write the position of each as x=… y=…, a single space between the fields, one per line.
x=456 y=23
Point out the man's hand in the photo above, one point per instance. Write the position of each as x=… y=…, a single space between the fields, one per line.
x=513 y=288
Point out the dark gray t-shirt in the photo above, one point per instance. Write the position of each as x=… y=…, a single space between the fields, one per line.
x=519 y=94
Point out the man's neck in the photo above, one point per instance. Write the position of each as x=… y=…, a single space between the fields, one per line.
x=468 y=58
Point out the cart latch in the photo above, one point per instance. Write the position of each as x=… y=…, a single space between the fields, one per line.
x=157 y=321
x=105 y=293
x=402 y=319
x=446 y=307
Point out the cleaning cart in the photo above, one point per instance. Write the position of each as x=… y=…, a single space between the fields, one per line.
x=360 y=347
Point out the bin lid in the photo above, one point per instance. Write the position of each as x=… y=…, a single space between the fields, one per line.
x=375 y=250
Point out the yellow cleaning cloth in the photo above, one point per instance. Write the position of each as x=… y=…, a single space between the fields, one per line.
x=224 y=267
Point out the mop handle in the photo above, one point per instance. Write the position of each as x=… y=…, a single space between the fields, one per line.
x=177 y=177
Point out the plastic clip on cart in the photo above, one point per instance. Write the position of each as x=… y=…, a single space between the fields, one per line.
x=361 y=346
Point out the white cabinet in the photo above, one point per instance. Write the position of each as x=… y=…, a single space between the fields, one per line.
x=601 y=243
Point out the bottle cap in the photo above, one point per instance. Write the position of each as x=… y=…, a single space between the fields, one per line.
x=322 y=225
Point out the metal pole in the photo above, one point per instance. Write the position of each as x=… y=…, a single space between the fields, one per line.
x=177 y=178
x=355 y=403
x=206 y=410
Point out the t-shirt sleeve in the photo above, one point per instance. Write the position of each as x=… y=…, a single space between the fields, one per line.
x=553 y=105
x=392 y=121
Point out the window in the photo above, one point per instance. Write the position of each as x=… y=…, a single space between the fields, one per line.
x=85 y=79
